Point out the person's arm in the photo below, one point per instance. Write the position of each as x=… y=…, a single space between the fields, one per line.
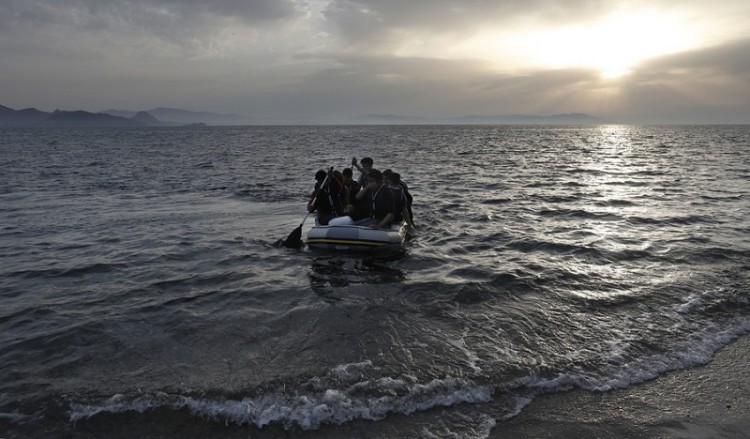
x=312 y=206
x=313 y=203
x=405 y=215
x=354 y=163
x=360 y=194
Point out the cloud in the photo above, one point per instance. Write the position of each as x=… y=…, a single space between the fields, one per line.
x=711 y=85
x=335 y=59
x=388 y=24
x=352 y=85
x=366 y=17
x=147 y=12
x=731 y=58
x=165 y=27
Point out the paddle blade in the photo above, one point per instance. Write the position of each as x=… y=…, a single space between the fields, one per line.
x=294 y=240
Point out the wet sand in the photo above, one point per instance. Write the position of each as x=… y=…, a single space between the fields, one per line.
x=710 y=401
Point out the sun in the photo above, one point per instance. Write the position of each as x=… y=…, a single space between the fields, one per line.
x=612 y=45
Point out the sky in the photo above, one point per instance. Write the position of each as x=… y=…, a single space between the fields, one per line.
x=324 y=61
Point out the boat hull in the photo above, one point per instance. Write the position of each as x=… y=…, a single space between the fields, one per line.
x=354 y=237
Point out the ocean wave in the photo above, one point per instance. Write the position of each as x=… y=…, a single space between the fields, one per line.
x=79 y=271
x=713 y=300
x=306 y=410
x=672 y=220
x=578 y=214
x=623 y=372
x=14 y=417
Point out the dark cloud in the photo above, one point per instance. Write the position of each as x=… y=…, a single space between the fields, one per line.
x=710 y=85
x=76 y=12
x=731 y=58
x=251 y=11
x=192 y=25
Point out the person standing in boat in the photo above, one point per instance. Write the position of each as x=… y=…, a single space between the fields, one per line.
x=339 y=186
x=364 y=170
x=351 y=186
x=381 y=198
x=320 y=178
x=356 y=209
x=329 y=198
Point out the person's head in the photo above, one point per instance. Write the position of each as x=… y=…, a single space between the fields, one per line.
x=366 y=163
x=347 y=173
x=338 y=176
x=395 y=178
x=387 y=175
x=375 y=178
x=320 y=176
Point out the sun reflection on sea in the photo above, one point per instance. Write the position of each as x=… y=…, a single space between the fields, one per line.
x=614 y=178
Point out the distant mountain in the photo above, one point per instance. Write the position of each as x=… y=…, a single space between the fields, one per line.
x=513 y=119
x=32 y=117
x=82 y=119
x=525 y=119
x=176 y=116
x=185 y=116
x=120 y=113
x=146 y=118
x=391 y=119
x=29 y=116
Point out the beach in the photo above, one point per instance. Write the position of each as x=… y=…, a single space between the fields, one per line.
x=710 y=401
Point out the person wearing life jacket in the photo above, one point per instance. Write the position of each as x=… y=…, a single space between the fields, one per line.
x=382 y=205
x=328 y=198
x=399 y=187
x=401 y=211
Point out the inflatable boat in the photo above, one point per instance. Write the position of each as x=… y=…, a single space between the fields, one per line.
x=354 y=237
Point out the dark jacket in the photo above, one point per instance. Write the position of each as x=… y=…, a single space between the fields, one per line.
x=399 y=202
x=382 y=202
x=330 y=202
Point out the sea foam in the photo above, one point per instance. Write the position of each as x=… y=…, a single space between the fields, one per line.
x=308 y=411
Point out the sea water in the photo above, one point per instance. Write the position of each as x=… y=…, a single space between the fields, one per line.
x=140 y=290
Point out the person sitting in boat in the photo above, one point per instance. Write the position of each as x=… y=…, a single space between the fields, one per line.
x=364 y=169
x=381 y=201
x=405 y=189
x=320 y=177
x=327 y=199
x=401 y=212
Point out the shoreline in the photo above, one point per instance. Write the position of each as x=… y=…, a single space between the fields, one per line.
x=709 y=401
x=704 y=402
